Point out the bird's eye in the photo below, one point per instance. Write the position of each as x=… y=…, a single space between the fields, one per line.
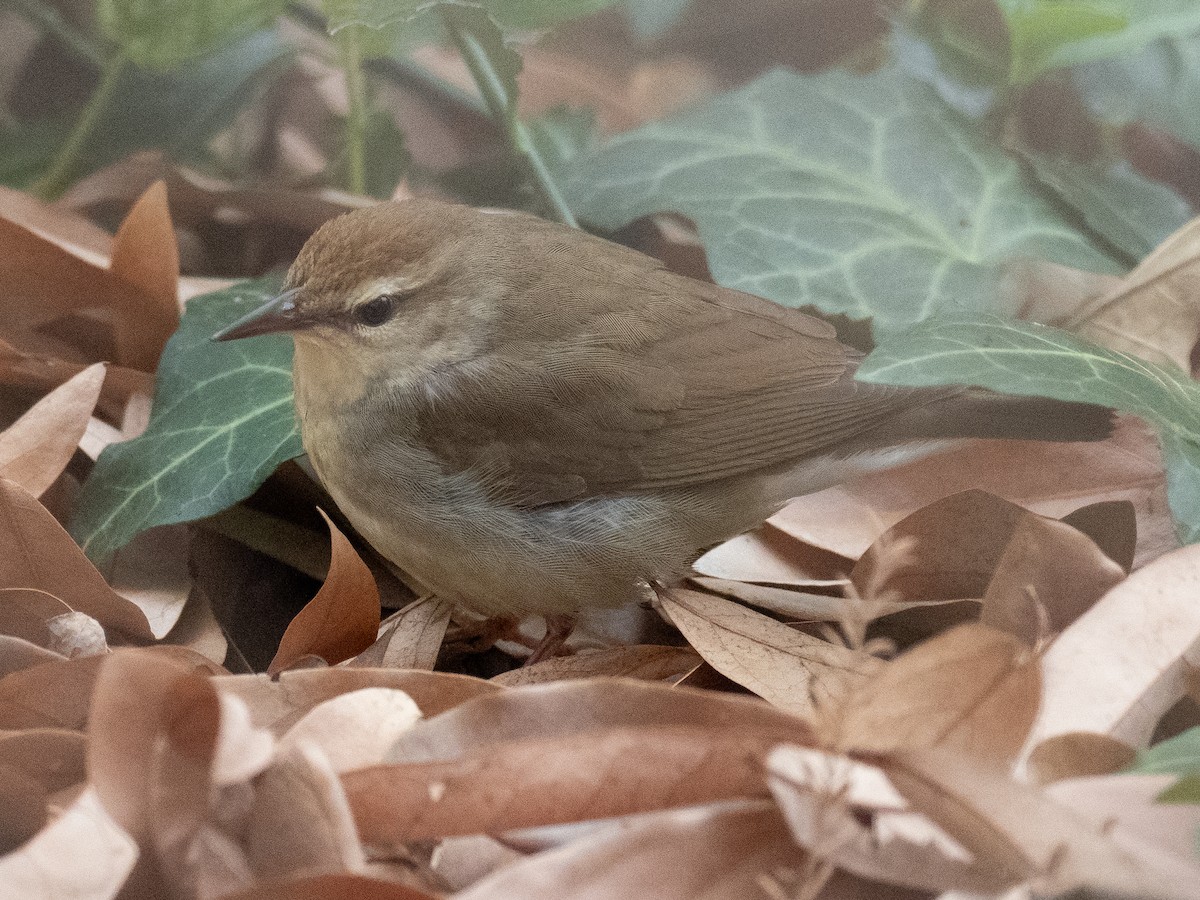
x=376 y=311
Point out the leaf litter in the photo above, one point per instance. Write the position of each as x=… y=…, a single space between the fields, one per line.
x=925 y=680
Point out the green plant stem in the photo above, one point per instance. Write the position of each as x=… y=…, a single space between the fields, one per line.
x=356 y=120
x=56 y=178
x=500 y=106
x=52 y=21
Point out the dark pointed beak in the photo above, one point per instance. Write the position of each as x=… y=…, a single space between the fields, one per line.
x=276 y=315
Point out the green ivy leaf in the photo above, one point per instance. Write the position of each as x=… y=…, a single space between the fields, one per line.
x=1132 y=212
x=540 y=13
x=165 y=34
x=1158 y=85
x=222 y=420
x=867 y=196
x=1034 y=360
x=1179 y=755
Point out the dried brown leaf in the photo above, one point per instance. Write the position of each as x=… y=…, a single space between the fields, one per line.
x=1076 y=755
x=278 y=704
x=152 y=572
x=342 y=886
x=83 y=854
x=145 y=255
x=1022 y=832
x=36 y=448
x=1050 y=479
x=1048 y=576
x=409 y=638
x=342 y=620
x=17 y=654
x=850 y=814
x=591 y=775
x=43 y=372
x=1122 y=664
x=1152 y=311
x=299 y=821
x=644 y=661
x=44 y=557
x=786 y=667
x=54 y=222
x=973 y=689
x=355 y=729
x=53 y=694
x=771 y=556
x=718 y=853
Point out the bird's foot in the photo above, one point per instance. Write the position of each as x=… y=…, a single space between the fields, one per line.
x=558 y=629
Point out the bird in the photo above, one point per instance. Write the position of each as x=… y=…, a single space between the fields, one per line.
x=529 y=419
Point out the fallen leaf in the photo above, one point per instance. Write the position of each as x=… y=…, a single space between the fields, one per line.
x=848 y=813
x=646 y=662
x=354 y=729
x=43 y=372
x=1151 y=312
x=1017 y=829
x=83 y=854
x=342 y=620
x=409 y=638
x=17 y=654
x=1122 y=664
x=1075 y=755
x=36 y=448
x=54 y=694
x=54 y=222
x=770 y=555
x=145 y=255
x=973 y=689
x=44 y=557
x=599 y=773
x=280 y=703
x=1051 y=479
x=1048 y=576
x=725 y=852
x=151 y=571
x=299 y=821
x=788 y=668
x=340 y=886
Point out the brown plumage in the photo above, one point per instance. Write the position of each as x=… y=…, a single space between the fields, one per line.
x=542 y=420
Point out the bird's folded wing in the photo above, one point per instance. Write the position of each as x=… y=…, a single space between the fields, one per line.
x=681 y=385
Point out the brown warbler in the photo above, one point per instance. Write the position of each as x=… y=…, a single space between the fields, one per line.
x=529 y=419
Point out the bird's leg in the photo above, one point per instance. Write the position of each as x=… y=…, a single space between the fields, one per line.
x=558 y=629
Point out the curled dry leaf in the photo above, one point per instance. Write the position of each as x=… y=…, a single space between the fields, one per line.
x=644 y=661
x=145 y=255
x=788 y=668
x=848 y=813
x=1047 y=577
x=1076 y=755
x=1050 y=479
x=330 y=887
x=17 y=654
x=278 y=704
x=771 y=556
x=409 y=638
x=354 y=729
x=82 y=854
x=54 y=222
x=1151 y=312
x=1026 y=836
x=122 y=386
x=973 y=689
x=1118 y=668
x=342 y=620
x=591 y=775
x=34 y=764
x=36 y=448
x=54 y=694
x=151 y=571
x=1125 y=806
x=44 y=557
x=299 y=821
x=724 y=852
